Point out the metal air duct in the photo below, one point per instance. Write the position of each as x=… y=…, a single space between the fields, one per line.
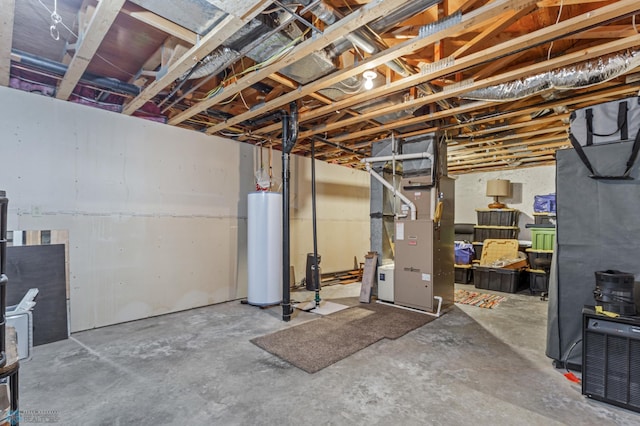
x=577 y=76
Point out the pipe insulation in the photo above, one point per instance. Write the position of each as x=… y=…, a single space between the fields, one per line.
x=582 y=75
x=61 y=69
x=214 y=62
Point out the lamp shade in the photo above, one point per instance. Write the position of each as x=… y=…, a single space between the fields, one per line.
x=498 y=188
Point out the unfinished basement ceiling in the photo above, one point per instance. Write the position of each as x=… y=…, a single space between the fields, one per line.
x=498 y=78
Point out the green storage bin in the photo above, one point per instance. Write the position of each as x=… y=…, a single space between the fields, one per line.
x=542 y=238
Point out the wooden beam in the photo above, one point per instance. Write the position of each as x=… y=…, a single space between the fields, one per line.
x=6 y=37
x=557 y=3
x=343 y=27
x=608 y=31
x=506 y=157
x=412 y=121
x=467 y=23
x=148 y=68
x=292 y=85
x=465 y=6
x=455 y=91
x=529 y=123
x=494 y=28
x=223 y=30
x=508 y=149
x=503 y=165
x=460 y=151
x=549 y=33
x=497 y=65
x=516 y=136
x=591 y=97
x=161 y=24
x=106 y=12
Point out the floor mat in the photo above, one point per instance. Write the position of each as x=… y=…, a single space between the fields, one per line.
x=481 y=300
x=317 y=344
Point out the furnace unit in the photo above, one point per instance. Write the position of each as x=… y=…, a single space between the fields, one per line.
x=423 y=235
x=424 y=253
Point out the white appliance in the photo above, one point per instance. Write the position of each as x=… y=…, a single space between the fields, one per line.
x=264 y=248
x=385 y=282
x=19 y=317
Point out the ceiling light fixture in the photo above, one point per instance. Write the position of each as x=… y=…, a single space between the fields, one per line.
x=368 y=79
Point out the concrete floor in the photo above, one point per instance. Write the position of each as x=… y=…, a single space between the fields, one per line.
x=471 y=366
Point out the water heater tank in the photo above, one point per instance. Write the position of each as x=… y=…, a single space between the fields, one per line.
x=264 y=248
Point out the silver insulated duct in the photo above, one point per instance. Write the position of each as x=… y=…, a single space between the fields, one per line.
x=578 y=76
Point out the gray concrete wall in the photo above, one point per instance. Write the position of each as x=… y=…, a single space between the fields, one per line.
x=156 y=214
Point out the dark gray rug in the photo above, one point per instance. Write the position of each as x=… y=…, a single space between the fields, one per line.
x=317 y=344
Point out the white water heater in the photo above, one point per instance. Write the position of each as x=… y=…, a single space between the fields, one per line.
x=264 y=248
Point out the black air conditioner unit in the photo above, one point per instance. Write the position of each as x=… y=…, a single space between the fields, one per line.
x=611 y=359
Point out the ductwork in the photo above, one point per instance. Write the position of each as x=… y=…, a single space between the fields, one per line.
x=578 y=76
x=316 y=65
x=214 y=62
x=61 y=69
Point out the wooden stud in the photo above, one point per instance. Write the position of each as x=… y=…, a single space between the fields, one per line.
x=6 y=38
x=100 y=22
x=224 y=29
x=332 y=33
x=574 y=24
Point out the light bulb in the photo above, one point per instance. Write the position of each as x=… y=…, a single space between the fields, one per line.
x=368 y=79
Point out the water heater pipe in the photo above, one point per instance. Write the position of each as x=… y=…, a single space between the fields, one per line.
x=403 y=197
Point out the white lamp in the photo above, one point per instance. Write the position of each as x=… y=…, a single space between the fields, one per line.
x=497 y=188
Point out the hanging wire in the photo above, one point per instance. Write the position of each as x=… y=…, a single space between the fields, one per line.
x=55 y=34
x=277 y=56
x=557 y=20
x=55 y=20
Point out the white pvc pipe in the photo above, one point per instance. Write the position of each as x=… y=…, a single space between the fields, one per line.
x=403 y=197
x=436 y=314
x=397 y=157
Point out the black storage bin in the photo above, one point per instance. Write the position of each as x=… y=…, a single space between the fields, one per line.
x=463 y=231
x=482 y=233
x=497 y=279
x=544 y=218
x=497 y=217
x=538 y=281
x=463 y=275
x=477 y=250
x=539 y=258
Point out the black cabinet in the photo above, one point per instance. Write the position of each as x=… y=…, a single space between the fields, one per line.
x=611 y=359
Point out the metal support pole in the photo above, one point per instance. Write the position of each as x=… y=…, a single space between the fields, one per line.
x=316 y=272
x=289 y=138
x=286 y=261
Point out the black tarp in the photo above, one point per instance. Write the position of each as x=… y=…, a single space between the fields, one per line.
x=598 y=228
